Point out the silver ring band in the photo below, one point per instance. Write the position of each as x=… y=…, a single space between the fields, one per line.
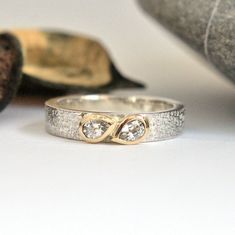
x=105 y=118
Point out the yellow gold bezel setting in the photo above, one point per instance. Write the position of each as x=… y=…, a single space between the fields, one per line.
x=116 y=137
x=96 y=118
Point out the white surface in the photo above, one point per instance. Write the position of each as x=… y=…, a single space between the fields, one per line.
x=50 y=185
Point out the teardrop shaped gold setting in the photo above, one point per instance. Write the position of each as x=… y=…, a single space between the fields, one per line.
x=132 y=130
x=95 y=128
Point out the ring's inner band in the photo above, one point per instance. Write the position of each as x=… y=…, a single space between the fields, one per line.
x=99 y=103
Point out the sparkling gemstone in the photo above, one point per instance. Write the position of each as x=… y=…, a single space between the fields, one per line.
x=132 y=130
x=95 y=128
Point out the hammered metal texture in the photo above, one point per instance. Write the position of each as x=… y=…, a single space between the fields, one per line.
x=162 y=125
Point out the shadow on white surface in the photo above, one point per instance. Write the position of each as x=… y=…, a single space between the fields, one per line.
x=36 y=129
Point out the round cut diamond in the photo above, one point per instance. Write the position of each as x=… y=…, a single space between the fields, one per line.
x=132 y=130
x=95 y=128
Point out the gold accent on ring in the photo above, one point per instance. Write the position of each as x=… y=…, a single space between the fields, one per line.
x=96 y=117
x=116 y=137
x=103 y=127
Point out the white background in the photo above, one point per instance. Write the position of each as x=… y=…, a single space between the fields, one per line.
x=54 y=186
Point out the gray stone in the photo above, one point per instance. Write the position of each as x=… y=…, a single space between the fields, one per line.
x=208 y=26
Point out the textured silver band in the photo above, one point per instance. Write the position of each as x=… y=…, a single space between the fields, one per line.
x=164 y=117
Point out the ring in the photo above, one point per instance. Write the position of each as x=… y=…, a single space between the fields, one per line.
x=106 y=118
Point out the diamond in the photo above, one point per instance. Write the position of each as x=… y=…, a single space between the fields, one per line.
x=95 y=128
x=132 y=130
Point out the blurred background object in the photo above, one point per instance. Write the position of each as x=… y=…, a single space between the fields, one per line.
x=11 y=61
x=55 y=63
x=208 y=26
